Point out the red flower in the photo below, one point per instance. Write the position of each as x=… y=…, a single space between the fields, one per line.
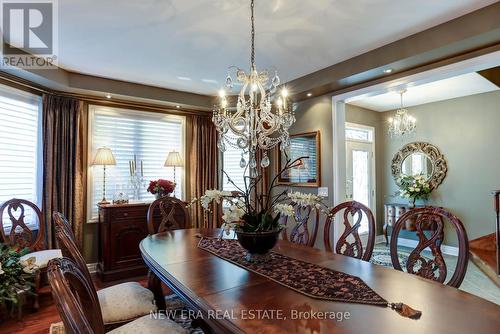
x=152 y=187
x=161 y=186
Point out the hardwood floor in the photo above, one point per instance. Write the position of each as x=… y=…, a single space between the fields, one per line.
x=39 y=322
x=483 y=254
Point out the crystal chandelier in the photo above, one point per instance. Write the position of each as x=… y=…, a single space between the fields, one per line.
x=261 y=117
x=403 y=123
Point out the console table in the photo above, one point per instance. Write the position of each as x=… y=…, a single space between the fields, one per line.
x=392 y=212
x=121 y=229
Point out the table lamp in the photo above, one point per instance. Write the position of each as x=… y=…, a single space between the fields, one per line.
x=174 y=159
x=104 y=157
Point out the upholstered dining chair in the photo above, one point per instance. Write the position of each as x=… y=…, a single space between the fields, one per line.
x=432 y=220
x=173 y=216
x=79 y=305
x=119 y=303
x=350 y=243
x=305 y=228
x=22 y=236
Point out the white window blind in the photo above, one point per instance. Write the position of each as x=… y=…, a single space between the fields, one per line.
x=231 y=165
x=19 y=149
x=147 y=135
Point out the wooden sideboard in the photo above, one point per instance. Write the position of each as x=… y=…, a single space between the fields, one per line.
x=121 y=229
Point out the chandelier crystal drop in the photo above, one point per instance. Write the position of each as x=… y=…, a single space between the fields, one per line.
x=261 y=117
x=402 y=123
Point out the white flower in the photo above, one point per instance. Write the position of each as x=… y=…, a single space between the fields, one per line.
x=284 y=210
x=304 y=199
x=232 y=214
x=29 y=265
x=417 y=190
x=1 y=271
x=213 y=195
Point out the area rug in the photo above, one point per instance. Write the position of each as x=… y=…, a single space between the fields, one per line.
x=382 y=257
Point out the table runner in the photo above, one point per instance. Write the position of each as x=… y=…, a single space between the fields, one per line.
x=306 y=278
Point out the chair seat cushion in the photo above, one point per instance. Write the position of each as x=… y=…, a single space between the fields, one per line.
x=124 y=302
x=43 y=257
x=150 y=325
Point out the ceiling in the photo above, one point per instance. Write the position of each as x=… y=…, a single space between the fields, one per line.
x=188 y=45
x=458 y=86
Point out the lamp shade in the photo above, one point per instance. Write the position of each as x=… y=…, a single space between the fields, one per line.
x=174 y=159
x=104 y=156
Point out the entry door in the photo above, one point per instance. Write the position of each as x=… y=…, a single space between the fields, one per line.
x=360 y=176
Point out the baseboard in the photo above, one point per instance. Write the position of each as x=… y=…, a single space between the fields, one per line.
x=449 y=250
x=92 y=267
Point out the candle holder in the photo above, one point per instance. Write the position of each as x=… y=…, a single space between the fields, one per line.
x=136 y=180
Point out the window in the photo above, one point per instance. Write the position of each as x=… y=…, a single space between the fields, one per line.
x=358 y=133
x=231 y=165
x=147 y=135
x=20 y=172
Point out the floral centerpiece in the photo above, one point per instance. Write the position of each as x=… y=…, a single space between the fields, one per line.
x=255 y=216
x=414 y=187
x=15 y=275
x=161 y=187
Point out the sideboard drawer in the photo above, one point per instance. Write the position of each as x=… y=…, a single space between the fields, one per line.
x=129 y=213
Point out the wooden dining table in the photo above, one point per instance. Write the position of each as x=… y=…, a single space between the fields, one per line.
x=231 y=299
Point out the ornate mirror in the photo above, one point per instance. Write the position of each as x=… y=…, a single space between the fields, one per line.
x=420 y=158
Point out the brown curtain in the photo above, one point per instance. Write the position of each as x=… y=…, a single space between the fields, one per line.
x=64 y=157
x=203 y=167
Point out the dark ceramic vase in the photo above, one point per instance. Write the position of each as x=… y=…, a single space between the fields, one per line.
x=257 y=243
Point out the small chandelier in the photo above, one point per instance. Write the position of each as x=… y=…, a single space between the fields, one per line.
x=403 y=123
x=261 y=117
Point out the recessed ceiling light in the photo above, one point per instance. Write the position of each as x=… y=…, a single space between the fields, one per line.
x=388 y=70
x=177 y=107
x=108 y=96
x=309 y=94
x=212 y=81
x=184 y=78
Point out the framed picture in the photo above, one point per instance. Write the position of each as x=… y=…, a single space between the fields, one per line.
x=308 y=173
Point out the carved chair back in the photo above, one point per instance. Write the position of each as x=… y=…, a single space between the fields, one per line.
x=76 y=298
x=435 y=268
x=67 y=243
x=344 y=246
x=174 y=215
x=62 y=222
x=20 y=234
x=305 y=228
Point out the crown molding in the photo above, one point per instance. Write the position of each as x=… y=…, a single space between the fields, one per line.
x=64 y=81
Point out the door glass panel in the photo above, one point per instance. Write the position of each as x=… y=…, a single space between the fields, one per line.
x=360 y=182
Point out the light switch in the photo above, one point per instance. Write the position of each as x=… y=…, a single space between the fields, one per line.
x=323 y=191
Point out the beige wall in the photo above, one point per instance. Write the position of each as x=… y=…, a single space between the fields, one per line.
x=466 y=131
x=313 y=115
